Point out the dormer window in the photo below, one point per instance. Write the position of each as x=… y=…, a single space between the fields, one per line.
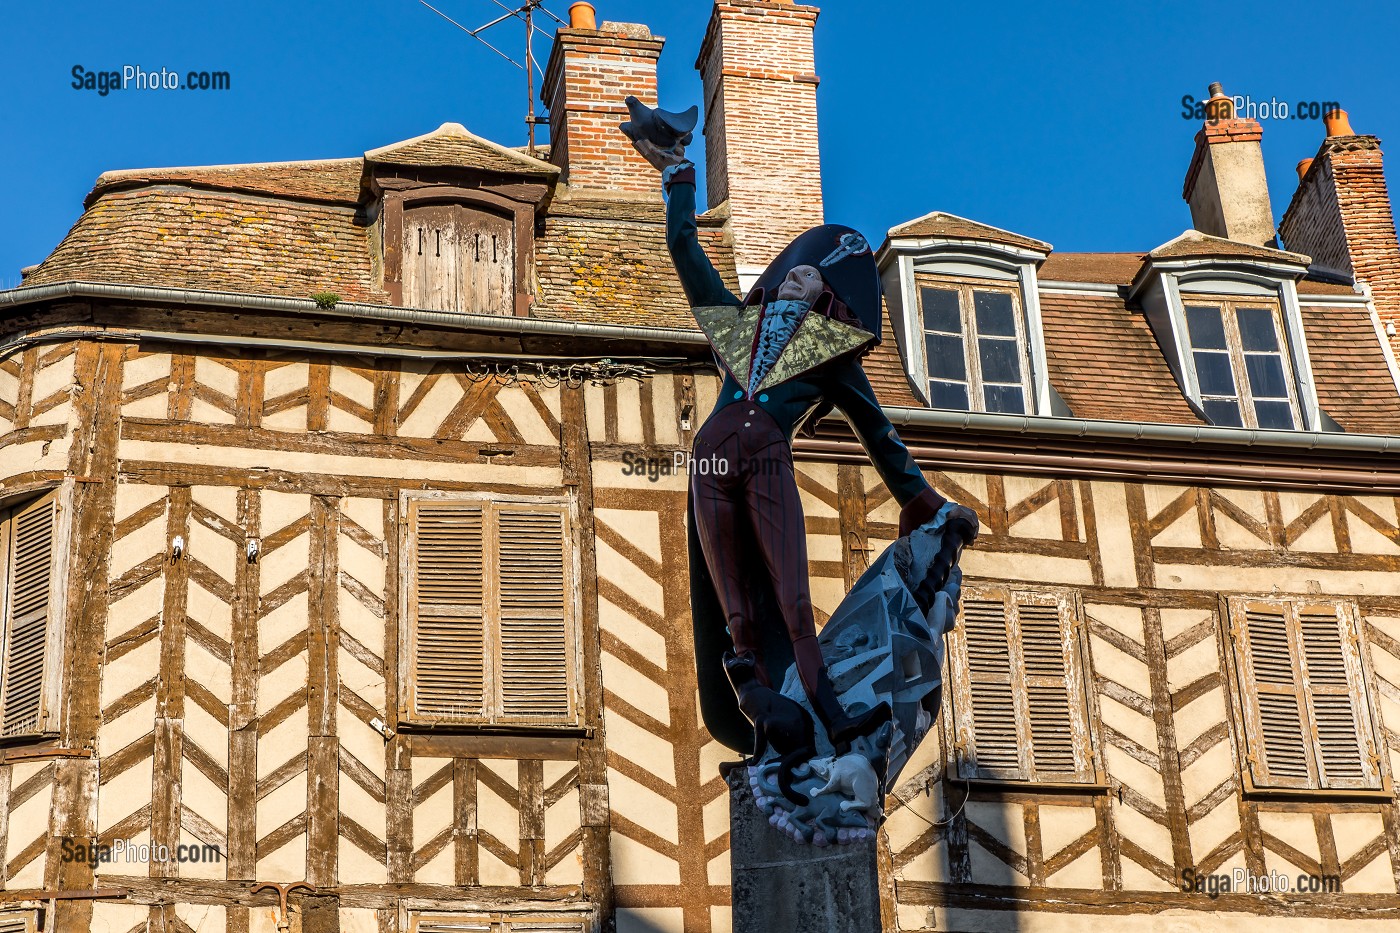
x=458 y=258
x=1241 y=365
x=974 y=345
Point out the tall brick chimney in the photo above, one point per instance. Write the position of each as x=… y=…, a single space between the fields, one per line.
x=759 y=72
x=590 y=73
x=1225 y=185
x=1341 y=217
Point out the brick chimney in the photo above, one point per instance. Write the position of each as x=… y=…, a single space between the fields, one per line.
x=759 y=72
x=591 y=70
x=1341 y=217
x=1225 y=185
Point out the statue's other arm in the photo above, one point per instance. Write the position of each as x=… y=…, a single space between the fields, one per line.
x=849 y=390
x=703 y=285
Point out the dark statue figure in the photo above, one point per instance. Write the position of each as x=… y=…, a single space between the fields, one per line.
x=790 y=352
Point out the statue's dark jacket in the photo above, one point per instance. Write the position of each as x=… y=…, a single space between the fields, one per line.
x=839 y=381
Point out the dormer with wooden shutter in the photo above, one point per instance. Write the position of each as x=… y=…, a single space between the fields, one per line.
x=1307 y=721
x=455 y=221
x=31 y=611
x=490 y=612
x=1020 y=702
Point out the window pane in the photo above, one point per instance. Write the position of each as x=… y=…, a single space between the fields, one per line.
x=945 y=357
x=999 y=361
x=941 y=311
x=1266 y=379
x=1008 y=399
x=1274 y=415
x=1225 y=413
x=948 y=395
x=1207 y=330
x=1213 y=373
x=1257 y=330
x=995 y=317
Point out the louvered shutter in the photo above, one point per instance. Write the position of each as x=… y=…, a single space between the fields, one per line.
x=1336 y=696
x=28 y=606
x=1308 y=723
x=534 y=665
x=447 y=605
x=995 y=742
x=1047 y=643
x=1024 y=712
x=15 y=925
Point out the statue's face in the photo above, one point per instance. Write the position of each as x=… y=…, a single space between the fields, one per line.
x=803 y=283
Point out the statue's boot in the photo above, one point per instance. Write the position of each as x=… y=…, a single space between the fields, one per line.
x=842 y=727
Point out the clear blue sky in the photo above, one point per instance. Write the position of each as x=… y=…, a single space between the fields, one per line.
x=1061 y=121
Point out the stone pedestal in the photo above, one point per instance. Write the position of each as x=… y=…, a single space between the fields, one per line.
x=780 y=886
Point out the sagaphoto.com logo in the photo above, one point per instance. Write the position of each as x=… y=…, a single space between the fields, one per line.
x=134 y=77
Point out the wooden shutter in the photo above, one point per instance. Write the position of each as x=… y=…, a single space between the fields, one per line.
x=1019 y=687
x=28 y=561
x=996 y=742
x=1307 y=720
x=447 y=600
x=16 y=924
x=456 y=258
x=534 y=659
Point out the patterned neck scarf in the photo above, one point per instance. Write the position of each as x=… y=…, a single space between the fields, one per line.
x=780 y=321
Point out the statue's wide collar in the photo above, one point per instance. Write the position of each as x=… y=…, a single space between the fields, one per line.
x=732 y=333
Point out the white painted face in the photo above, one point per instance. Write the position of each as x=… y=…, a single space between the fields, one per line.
x=803 y=283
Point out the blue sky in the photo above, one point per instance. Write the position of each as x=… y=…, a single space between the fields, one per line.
x=1060 y=121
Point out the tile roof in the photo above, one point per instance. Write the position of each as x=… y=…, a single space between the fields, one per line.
x=940 y=224
x=180 y=237
x=884 y=367
x=1106 y=364
x=1353 y=379
x=453 y=145
x=1104 y=268
x=1192 y=243
x=332 y=180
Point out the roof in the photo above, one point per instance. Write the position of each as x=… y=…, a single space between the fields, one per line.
x=1105 y=363
x=940 y=224
x=1193 y=243
x=1353 y=379
x=453 y=145
x=1103 y=268
x=333 y=180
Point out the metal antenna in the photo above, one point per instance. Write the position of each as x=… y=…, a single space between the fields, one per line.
x=525 y=12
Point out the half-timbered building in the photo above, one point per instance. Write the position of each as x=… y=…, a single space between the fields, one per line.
x=342 y=539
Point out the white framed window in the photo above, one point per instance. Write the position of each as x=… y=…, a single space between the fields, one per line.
x=490 y=611
x=974 y=345
x=31 y=593
x=1241 y=361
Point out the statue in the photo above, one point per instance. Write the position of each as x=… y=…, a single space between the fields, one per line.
x=789 y=353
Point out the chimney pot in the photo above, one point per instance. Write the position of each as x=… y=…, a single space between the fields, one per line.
x=1337 y=123
x=1303 y=167
x=583 y=16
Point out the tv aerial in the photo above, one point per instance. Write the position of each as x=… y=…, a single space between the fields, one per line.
x=525 y=13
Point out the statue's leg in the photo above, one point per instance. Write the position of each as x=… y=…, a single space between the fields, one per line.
x=775 y=511
x=718 y=523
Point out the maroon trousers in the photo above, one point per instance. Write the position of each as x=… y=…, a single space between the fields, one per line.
x=742 y=481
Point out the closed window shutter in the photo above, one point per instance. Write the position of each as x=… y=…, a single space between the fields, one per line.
x=28 y=607
x=1337 y=697
x=14 y=925
x=1307 y=722
x=447 y=602
x=534 y=616
x=996 y=744
x=1019 y=688
x=456 y=258
x=1044 y=649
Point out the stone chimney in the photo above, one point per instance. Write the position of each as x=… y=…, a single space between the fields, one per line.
x=1341 y=217
x=1225 y=185
x=591 y=70
x=759 y=72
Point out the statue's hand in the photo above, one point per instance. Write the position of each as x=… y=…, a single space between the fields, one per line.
x=660 y=159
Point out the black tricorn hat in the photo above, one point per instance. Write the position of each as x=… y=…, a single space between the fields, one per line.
x=846 y=263
x=662 y=128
